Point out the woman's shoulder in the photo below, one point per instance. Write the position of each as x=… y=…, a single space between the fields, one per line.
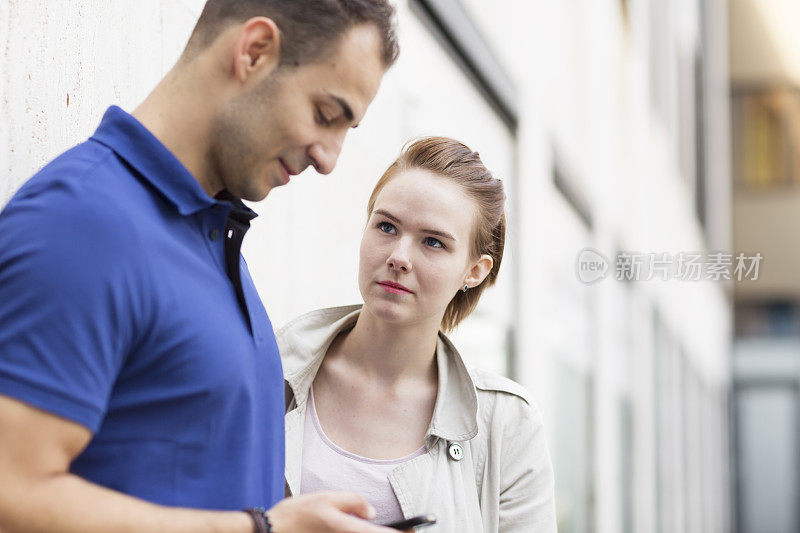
x=492 y=382
x=485 y=381
x=509 y=420
x=302 y=342
x=318 y=318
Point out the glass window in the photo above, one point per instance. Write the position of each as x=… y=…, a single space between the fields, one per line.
x=768 y=463
x=766 y=138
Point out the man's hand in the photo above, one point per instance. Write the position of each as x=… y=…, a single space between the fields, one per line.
x=325 y=512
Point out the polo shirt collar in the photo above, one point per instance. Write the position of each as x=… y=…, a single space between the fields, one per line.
x=134 y=143
x=304 y=342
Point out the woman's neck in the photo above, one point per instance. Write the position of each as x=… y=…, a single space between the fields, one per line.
x=391 y=353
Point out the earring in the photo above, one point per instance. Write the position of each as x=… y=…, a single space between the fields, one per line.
x=464 y=288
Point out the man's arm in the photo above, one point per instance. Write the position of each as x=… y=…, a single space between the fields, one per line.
x=37 y=492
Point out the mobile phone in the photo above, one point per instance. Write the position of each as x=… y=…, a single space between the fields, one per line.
x=418 y=521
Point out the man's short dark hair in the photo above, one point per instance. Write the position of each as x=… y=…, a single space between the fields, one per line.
x=309 y=29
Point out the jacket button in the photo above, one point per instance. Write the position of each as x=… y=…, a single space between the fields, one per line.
x=456 y=451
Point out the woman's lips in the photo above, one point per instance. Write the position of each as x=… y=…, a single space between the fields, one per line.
x=394 y=288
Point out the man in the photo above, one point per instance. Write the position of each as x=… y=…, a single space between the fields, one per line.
x=140 y=384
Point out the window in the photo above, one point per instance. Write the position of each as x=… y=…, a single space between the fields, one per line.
x=766 y=138
x=572 y=458
x=769 y=319
x=766 y=436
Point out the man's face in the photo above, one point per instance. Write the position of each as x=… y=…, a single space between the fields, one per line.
x=296 y=117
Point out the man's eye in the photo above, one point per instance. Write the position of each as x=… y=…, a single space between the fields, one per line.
x=322 y=119
x=434 y=243
x=386 y=227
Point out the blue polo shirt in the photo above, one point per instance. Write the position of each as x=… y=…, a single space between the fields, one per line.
x=125 y=306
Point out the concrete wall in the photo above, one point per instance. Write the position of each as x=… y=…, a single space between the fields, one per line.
x=65 y=62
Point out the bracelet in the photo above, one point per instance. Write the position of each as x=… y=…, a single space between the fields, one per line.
x=260 y=521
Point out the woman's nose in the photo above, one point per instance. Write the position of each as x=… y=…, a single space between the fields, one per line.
x=399 y=259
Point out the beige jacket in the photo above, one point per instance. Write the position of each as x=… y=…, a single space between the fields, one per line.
x=504 y=480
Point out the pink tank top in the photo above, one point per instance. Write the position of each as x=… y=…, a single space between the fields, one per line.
x=326 y=466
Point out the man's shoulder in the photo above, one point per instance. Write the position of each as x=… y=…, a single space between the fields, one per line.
x=82 y=185
x=71 y=166
x=71 y=210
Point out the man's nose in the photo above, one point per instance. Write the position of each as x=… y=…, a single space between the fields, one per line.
x=325 y=154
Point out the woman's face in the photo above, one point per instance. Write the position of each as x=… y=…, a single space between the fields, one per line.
x=415 y=252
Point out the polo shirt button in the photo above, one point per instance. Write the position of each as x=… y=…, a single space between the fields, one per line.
x=213 y=234
x=456 y=451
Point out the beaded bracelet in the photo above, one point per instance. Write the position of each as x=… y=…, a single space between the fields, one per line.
x=260 y=521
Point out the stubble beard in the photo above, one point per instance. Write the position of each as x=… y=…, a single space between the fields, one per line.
x=234 y=143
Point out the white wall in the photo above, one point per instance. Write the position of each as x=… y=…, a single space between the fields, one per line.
x=64 y=62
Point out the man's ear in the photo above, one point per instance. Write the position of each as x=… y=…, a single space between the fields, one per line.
x=479 y=271
x=257 y=49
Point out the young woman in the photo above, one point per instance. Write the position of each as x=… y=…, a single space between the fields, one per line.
x=378 y=399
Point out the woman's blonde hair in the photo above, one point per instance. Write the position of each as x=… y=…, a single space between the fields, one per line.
x=453 y=160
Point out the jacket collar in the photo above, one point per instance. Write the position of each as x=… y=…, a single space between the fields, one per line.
x=304 y=342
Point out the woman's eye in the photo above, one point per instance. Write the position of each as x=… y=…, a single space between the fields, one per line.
x=434 y=243
x=386 y=227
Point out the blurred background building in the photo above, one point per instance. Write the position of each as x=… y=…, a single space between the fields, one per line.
x=765 y=77
x=624 y=126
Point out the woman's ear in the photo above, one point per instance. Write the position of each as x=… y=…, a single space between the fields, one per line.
x=479 y=271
